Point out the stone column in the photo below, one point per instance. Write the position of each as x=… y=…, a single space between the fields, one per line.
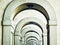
x=53 y=32
x=7 y=34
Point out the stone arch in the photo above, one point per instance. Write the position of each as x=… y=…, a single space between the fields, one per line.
x=22 y=23
x=10 y=13
x=47 y=10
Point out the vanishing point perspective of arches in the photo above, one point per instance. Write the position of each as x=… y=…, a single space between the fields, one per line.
x=29 y=22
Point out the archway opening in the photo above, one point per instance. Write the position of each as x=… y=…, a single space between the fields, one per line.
x=32 y=7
